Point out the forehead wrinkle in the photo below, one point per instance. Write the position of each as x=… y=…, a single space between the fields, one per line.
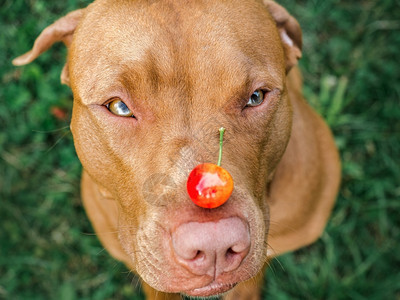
x=154 y=86
x=163 y=64
x=97 y=62
x=170 y=56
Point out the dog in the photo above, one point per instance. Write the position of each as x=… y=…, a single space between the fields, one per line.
x=152 y=82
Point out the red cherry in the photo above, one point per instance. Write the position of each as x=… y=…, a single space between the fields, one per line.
x=209 y=185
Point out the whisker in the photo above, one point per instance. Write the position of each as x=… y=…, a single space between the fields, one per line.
x=88 y=234
x=51 y=131
x=59 y=140
x=136 y=281
x=101 y=251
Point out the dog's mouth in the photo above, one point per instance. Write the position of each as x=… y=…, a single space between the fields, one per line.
x=211 y=290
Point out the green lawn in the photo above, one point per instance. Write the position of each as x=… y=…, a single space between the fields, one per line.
x=352 y=76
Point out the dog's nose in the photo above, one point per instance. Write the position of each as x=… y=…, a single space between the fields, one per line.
x=211 y=248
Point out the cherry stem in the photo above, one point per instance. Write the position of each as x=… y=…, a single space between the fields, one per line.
x=221 y=138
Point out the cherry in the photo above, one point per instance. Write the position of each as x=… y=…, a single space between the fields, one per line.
x=209 y=185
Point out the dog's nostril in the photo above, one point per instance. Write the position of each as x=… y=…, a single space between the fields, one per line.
x=199 y=255
x=230 y=252
x=231 y=255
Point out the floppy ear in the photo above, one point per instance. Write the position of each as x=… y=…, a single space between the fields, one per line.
x=60 y=31
x=289 y=30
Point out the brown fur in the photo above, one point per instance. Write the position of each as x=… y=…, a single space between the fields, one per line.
x=186 y=68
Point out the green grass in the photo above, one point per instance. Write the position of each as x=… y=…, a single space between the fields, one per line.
x=352 y=77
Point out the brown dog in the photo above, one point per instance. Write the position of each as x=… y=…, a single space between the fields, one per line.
x=152 y=83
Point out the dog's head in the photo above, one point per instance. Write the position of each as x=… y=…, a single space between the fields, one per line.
x=152 y=83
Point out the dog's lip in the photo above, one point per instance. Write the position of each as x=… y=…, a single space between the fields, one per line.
x=211 y=289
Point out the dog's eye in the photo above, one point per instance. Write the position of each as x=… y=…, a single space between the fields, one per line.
x=119 y=108
x=256 y=98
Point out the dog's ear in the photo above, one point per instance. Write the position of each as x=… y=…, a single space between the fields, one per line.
x=60 y=31
x=289 y=30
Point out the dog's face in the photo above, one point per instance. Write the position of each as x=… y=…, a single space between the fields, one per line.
x=152 y=85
